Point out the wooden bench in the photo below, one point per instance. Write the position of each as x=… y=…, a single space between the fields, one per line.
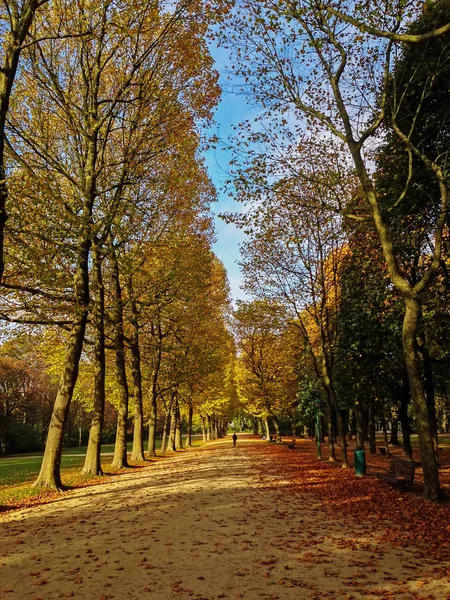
x=401 y=473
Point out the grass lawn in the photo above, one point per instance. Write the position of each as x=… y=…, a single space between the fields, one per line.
x=19 y=469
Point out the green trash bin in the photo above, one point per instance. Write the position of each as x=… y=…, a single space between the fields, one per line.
x=360 y=463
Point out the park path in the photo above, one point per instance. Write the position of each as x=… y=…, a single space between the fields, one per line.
x=215 y=522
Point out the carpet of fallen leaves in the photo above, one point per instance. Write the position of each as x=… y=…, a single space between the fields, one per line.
x=259 y=521
x=407 y=516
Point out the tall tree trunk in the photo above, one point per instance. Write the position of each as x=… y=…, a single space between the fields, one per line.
x=120 y=459
x=173 y=425
x=166 y=427
x=371 y=430
x=405 y=398
x=50 y=473
x=203 y=429
x=341 y=430
x=432 y=489
x=266 y=427
x=394 y=441
x=92 y=464
x=385 y=435
x=151 y=447
x=178 y=436
x=154 y=397
x=277 y=430
x=331 y=449
x=189 y=426
x=137 y=454
x=359 y=426
x=208 y=430
x=429 y=393
x=327 y=383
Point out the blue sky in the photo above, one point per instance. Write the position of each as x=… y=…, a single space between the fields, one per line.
x=230 y=112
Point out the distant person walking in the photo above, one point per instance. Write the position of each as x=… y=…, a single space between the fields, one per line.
x=234 y=439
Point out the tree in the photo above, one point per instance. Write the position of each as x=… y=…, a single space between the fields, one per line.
x=322 y=68
x=76 y=152
x=266 y=368
x=17 y=20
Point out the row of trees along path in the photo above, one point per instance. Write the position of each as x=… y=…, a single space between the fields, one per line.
x=255 y=521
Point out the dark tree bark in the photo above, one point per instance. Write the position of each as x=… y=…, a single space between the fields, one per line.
x=385 y=435
x=178 y=436
x=154 y=397
x=92 y=464
x=120 y=459
x=432 y=489
x=166 y=428
x=277 y=430
x=203 y=429
x=359 y=427
x=371 y=431
x=429 y=393
x=137 y=454
x=173 y=424
x=331 y=449
x=394 y=441
x=189 y=426
x=405 y=399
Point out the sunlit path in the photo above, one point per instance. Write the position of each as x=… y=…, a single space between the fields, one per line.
x=218 y=522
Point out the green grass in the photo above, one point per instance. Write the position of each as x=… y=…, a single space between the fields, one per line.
x=19 y=469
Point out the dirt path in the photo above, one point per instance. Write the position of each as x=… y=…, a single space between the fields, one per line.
x=203 y=524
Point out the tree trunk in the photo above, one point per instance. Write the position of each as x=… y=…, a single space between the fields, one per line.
x=327 y=384
x=120 y=459
x=208 y=431
x=151 y=447
x=50 y=473
x=178 y=436
x=137 y=454
x=173 y=425
x=277 y=430
x=394 y=432
x=331 y=449
x=154 y=398
x=92 y=464
x=341 y=430
x=359 y=427
x=405 y=398
x=189 y=426
x=203 y=429
x=385 y=435
x=432 y=490
x=266 y=427
x=371 y=431
x=166 y=427
x=429 y=394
